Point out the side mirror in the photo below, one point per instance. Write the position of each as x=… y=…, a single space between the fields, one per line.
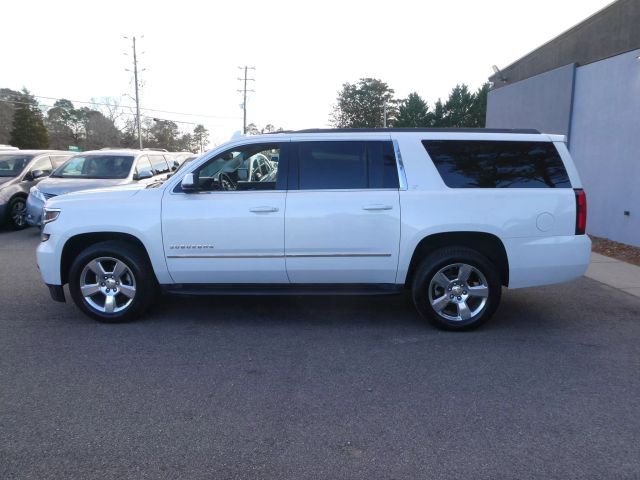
x=143 y=175
x=188 y=183
x=175 y=166
x=33 y=174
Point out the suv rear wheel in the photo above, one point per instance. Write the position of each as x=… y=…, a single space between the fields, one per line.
x=456 y=288
x=112 y=281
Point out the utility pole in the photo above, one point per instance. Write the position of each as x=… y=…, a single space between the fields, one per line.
x=137 y=85
x=135 y=79
x=244 y=95
x=385 y=115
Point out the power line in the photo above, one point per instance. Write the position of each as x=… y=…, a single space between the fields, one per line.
x=244 y=96
x=143 y=108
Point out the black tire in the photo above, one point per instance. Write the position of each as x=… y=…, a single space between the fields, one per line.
x=12 y=222
x=144 y=280
x=424 y=291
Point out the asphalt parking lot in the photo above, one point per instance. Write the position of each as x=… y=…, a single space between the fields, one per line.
x=316 y=387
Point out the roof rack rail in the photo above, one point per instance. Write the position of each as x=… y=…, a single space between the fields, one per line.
x=410 y=130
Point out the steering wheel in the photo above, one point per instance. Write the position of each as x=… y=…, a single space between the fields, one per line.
x=226 y=183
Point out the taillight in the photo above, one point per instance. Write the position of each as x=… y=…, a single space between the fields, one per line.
x=581 y=211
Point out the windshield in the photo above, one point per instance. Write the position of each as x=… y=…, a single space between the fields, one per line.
x=13 y=165
x=95 y=166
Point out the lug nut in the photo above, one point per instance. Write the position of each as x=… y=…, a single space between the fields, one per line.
x=108 y=290
x=464 y=292
x=102 y=284
x=459 y=298
x=450 y=296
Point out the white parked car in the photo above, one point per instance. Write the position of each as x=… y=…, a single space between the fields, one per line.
x=452 y=215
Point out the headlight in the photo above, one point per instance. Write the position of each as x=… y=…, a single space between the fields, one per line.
x=37 y=193
x=50 y=215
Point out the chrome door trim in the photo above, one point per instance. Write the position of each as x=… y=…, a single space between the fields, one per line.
x=290 y=255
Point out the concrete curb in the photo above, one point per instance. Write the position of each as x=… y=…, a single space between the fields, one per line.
x=617 y=274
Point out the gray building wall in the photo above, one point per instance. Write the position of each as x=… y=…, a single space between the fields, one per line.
x=609 y=32
x=542 y=102
x=598 y=107
x=605 y=144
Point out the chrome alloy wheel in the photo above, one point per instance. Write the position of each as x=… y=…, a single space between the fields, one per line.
x=19 y=213
x=107 y=285
x=458 y=292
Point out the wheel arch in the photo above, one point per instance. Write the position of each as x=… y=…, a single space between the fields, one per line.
x=485 y=243
x=75 y=244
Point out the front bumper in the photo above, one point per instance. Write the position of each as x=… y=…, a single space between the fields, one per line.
x=34 y=211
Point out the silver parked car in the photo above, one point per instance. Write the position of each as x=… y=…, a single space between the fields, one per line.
x=20 y=170
x=98 y=169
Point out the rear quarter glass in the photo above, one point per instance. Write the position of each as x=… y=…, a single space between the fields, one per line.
x=498 y=164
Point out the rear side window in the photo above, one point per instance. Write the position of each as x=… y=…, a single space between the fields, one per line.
x=341 y=165
x=159 y=164
x=497 y=164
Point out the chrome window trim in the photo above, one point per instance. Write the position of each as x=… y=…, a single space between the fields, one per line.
x=402 y=176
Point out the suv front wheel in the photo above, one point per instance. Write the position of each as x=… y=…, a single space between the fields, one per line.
x=456 y=288
x=112 y=281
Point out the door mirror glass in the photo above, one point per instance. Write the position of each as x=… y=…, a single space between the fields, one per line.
x=188 y=183
x=144 y=175
x=37 y=174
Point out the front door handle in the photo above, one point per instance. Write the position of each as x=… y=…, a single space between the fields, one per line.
x=377 y=207
x=263 y=209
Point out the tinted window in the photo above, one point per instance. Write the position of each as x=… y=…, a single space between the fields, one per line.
x=159 y=164
x=96 y=166
x=503 y=164
x=346 y=165
x=11 y=165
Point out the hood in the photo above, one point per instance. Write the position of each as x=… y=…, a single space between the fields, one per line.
x=103 y=194
x=60 y=186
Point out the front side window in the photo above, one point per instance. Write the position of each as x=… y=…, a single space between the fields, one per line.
x=96 y=166
x=12 y=165
x=43 y=164
x=339 y=165
x=498 y=164
x=239 y=169
x=143 y=165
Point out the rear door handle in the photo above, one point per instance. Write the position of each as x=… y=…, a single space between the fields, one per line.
x=377 y=207
x=263 y=209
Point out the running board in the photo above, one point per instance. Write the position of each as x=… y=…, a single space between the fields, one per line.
x=284 y=289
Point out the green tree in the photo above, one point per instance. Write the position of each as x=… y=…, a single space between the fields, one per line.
x=7 y=109
x=165 y=134
x=361 y=105
x=479 y=107
x=413 y=112
x=200 y=138
x=458 y=107
x=438 y=116
x=28 y=129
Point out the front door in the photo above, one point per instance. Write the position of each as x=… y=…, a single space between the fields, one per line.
x=343 y=213
x=231 y=229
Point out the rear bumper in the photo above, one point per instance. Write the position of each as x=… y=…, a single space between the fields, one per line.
x=56 y=292
x=3 y=212
x=545 y=261
x=34 y=211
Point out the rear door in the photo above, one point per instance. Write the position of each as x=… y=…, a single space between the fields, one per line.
x=342 y=221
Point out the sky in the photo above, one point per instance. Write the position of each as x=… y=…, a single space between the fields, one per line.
x=302 y=51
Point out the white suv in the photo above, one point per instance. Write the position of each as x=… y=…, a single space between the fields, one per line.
x=452 y=215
